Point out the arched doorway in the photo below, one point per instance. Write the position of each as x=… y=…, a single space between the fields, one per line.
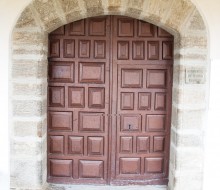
x=109 y=102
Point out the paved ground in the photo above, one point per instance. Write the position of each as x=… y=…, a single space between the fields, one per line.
x=91 y=187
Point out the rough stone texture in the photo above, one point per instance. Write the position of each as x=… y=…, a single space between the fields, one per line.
x=196 y=22
x=187 y=119
x=26 y=174
x=190 y=97
x=157 y=9
x=29 y=108
x=29 y=73
x=26 y=19
x=24 y=70
x=114 y=5
x=30 y=89
x=193 y=42
x=179 y=12
x=29 y=128
x=46 y=11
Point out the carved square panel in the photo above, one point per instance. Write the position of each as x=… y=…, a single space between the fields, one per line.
x=123 y=50
x=77 y=28
x=168 y=50
x=99 y=49
x=91 y=122
x=76 y=97
x=145 y=29
x=68 y=48
x=91 y=169
x=60 y=121
x=143 y=144
x=131 y=78
x=127 y=100
x=61 y=168
x=54 y=48
x=163 y=33
x=155 y=122
x=154 y=165
x=96 y=97
x=84 y=48
x=138 y=50
x=160 y=101
x=97 y=26
x=153 y=50
x=56 y=144
x=61 y=72
x=92 y=73
x=126 y=144
x=130 y=123
x=156 y=78
x=75 y=145
x=144 y=101
x=130 y=165
x=95 y=146
x=56 y=96
x=125 y=27
x=159 y=143
x=58 y=31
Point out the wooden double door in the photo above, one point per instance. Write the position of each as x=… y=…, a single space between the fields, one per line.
x=109 y=102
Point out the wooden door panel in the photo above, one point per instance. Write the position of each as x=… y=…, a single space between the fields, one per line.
x=142 y=90
x=109 y=102
x=78 y=103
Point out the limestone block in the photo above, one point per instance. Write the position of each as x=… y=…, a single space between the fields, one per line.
x=179 y=12
x=188 y=119
x=194 y=41
x=157 y=9
x=23 y=70
x=27 y=89
x=26 y=19
x=192 y=162
x=29 y=107
x=22 y=38
x=26 y=148
x=48 y=14
x=94 y=8
x=191 y=97
x=26 y=174
x=196 y=22
x=27 y=128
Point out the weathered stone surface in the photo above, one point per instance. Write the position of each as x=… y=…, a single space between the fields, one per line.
x=186 y=119
x=94 y=8
x=157 y=9
x=26 y=174
x=29 y=89
x=191 y=162
x=29 y=108
x=26 y=19
x=29 y=128
x=22 y=38
x=47 y=13
x=196 y=22
x=193 y=42
x=114 y=5
x=69 y=5
x=190 y=97
x=22 y=70
x=180 y=10
x=26 y=148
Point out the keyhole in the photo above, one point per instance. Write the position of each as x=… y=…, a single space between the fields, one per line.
x=129 y=126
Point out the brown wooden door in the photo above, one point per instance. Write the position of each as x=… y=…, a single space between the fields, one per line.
x=109 y=102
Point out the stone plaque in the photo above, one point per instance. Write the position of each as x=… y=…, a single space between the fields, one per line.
x=195 y=76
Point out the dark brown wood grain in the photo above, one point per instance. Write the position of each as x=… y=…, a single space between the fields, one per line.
x=109 y=102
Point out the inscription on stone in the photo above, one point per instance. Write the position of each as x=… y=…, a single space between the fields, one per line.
x=195 y=76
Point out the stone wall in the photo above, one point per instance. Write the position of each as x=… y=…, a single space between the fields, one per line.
x=29 y=81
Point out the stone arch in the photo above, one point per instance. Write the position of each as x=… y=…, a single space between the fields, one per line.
x=29 y=82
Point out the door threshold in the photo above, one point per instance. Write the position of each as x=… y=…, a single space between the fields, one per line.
x=104 y=187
